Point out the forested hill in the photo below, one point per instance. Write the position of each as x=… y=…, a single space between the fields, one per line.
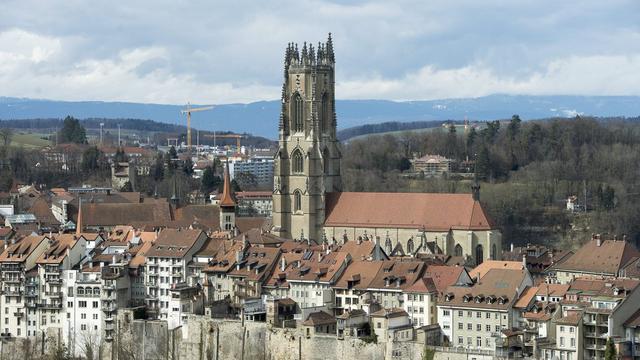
x=261 y=118
x=528 y=170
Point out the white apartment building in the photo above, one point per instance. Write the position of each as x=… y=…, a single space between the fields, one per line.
x=63 y=253
x=166 y=266
x=15 y=262
x=475 y=316
x=82 y=324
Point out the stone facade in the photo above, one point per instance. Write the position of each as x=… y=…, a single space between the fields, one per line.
x=307 y=163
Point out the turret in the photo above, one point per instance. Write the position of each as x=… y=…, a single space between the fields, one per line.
x=227 y=204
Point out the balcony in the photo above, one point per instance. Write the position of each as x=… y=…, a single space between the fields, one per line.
x=594 y=347
x=152 y=284
x=109 y=286
x=109 y=307
x=52 y=306
x=108 y=338
x=53 y=280
x=53 y=294
x=13 y=279
x=18 y=313
x=109 y=327
x=12 y=293
x=108 y=319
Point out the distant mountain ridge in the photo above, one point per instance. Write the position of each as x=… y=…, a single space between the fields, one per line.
x=261 y=118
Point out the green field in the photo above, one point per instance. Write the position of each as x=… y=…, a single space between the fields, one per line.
x=29 y=140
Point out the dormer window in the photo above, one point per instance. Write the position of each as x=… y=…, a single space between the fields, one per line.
x=479 y=298
x=466 y=298
x=502 y=300
x=448 y=297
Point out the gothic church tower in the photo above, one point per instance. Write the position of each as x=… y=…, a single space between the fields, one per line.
x=307 y=164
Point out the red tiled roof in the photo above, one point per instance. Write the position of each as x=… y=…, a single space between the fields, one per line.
x=434 y=212
x=607 y=258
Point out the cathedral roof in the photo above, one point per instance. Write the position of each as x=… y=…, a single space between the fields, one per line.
x=433 y=212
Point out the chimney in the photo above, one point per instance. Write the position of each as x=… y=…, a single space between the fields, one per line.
x=359 y=240
x=283 y=264
x=113 y=259
x=319 y=257
x=524 y=261
x=511 y=247
x=245 y=242
x=238 y=256
x=478 y=279
x=598 y=240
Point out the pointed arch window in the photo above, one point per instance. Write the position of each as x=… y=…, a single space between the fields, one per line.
x=324 y=114
x=410 y=246
x=325 y=161
x=297 y=113
x=297 y=162
x=479 y=255
x=387 y=246
x=457 y=251
x=297 y=201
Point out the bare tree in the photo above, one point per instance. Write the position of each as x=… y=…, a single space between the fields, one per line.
x=89 y=344
x=6 y=134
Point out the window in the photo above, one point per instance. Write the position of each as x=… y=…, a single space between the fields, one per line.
x=460 y=326
x=325 y=113
x=469 y=314
x=83 y=316
x=297 y=113
x=488 y=328
x=83 y=327
x=379 y=325
x=297 y=162
x=571 y=329
x=297 y=201
x=561 y=328
x=69 y=304
x=460 y=313
x=479 y=341
x=479 y=315
x=561 y=341
x=488 y=316
x=460 y=340
x=469 y=326
x=95 y=304
x=82 y=304
x=478 y=327
x=573 y=342
x=446 y=313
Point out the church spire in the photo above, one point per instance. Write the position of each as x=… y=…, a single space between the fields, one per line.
x=226 y=199
x=79 y=222
x=175 y=200
x=330 y=55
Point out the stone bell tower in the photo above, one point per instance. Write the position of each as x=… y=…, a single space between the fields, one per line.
x=307 y=163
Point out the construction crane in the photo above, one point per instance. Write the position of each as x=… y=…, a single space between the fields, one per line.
x=227 y=136
x=188 y=111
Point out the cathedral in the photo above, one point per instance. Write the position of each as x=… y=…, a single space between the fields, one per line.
x=308 y=202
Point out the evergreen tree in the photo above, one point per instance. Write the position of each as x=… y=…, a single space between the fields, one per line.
x=187 y=167
x=120 y=156
x=72 y=132
x=210 y=181
x=158 y=168
x=610 y=350
x=483 y=164
x=91 y=159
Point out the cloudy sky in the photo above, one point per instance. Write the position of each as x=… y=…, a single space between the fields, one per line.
x=208 y=51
